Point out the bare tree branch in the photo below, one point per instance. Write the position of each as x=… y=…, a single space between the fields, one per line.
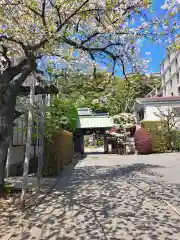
x=90 y=37
x=33 y=10
x=91 y=49
x=128 y=9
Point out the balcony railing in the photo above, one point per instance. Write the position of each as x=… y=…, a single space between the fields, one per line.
x=156 y=92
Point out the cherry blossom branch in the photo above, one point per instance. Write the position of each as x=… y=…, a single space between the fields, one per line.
x=71 y=16
x=4 y=54
x=11 y=72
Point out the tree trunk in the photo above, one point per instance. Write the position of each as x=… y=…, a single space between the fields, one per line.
x=6 y=131
x=9 y=91
x=7 y=111
x=26 y=160
x=3 y=157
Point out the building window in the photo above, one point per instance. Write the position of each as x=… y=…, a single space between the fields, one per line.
x=170 y=71
x=176 y=63
x=162 y=67
x=172 y=94
x=177 y=77
x=169 y=57
x=171 y=82
x=164 y=90
x=179 y=91
x=141 y=114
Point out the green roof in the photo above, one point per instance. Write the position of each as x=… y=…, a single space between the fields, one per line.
x=85 y=122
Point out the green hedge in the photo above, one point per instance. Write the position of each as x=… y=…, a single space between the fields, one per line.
x=177 y=141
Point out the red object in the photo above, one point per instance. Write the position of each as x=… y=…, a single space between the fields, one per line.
x=114 y=130
x=143 y=143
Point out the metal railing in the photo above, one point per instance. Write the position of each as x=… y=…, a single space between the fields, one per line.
x=156 y=92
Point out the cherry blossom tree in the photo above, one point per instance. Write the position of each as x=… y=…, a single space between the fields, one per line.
x=102 y=31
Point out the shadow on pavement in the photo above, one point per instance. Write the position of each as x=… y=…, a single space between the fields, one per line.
x=97 y=202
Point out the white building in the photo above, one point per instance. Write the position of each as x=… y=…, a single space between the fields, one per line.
x=170 y=74
x=167 y=96
x=149 y=109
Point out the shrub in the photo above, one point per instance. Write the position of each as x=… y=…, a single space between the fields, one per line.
x=162 y=140
x=157 y=132
x=7 y=188
x=177 y=141
x=101 y=142
x=86 y=142
x=60 y=115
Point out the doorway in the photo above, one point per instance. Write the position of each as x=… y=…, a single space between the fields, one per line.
x=94 y=143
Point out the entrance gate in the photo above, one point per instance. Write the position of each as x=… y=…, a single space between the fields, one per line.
x=89 y=123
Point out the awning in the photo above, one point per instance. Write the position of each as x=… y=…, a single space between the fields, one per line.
x=159 y=101
x=94 y=122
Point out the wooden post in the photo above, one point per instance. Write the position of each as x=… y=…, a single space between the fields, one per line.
x=41 y=145
x=82 y=143
x=28 y=142
x=105 y=145
x=9 y=155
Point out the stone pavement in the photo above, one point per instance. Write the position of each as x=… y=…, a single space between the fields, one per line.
x=112 y=197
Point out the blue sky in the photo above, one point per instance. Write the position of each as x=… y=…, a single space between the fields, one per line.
x=157 y=55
